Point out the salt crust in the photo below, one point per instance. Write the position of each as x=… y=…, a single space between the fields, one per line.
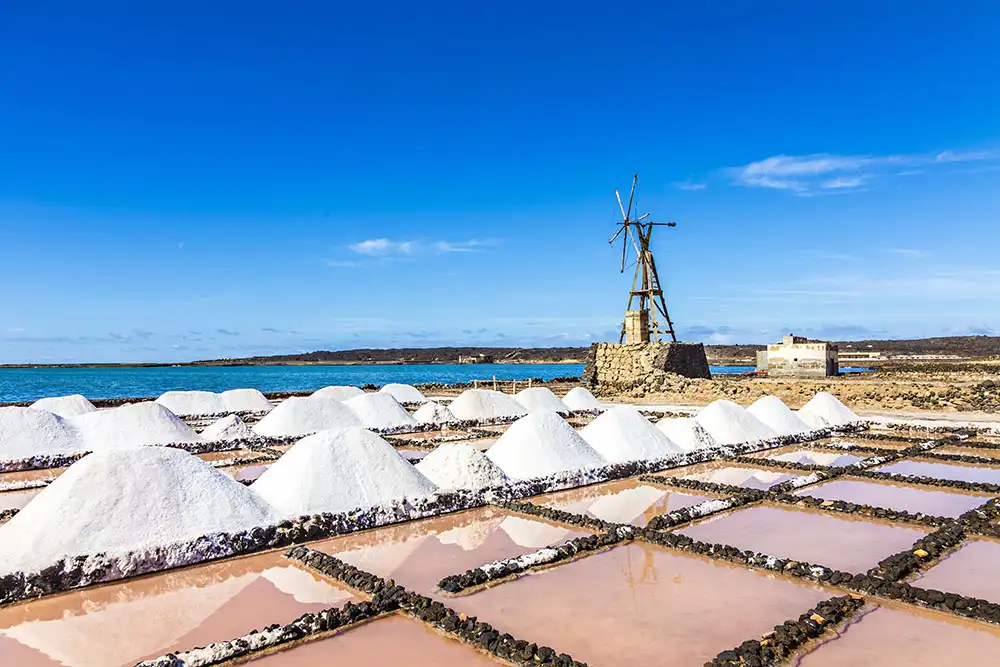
x=829 y=409
x=339 y=471
x=579 y=398
x=542 y=444
x=686 y=433
x=538 y=399
x=65 y=406
x=729 y=424
x=380 y=411
x=228 y=428
x=434 y=413
x=404 y=393
x=478 y=404
x=132 y=425
x=25 y=432
x=127 y=500
x=622 y=434
x=460 y=466
x=300 y=415
x=777 y=416
x=338 y=392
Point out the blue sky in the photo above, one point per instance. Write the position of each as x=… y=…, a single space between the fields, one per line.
x=184 y=180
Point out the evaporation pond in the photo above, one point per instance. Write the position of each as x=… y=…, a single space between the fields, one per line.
x=10 y=500
x=749 y=478
x=813 y=457
x=958 y=450
x=621 y=502
x=418 y=554
x=896 y=636
x=394 y=640
x=971 y=571
x=952 y=471
x=639 y=604
x=843 y=543
x=21 y=476
x=896 y=497
x=245 y=473
x=231 y=454
x=119 y=624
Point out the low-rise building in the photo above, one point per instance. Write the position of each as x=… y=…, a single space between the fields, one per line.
x=796 y=356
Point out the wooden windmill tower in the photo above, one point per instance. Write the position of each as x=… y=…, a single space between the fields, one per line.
x=642 y=324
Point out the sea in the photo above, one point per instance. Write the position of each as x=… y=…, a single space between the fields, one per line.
x=30 y=384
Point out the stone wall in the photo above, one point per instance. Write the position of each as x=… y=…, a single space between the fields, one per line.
x=626 y=367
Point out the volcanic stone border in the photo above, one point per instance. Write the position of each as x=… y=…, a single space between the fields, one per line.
x=939 y=457
x=856 y=509
x=40 y=462
x=5 y=515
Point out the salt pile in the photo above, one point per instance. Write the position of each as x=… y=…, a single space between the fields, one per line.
x=829 y=409
x=126 y=500
x=190 y=403
x=777 y=416
x=338 y=392
x=542 y=444
x=340 y=471
x=434 y=413
x=132 y=425
x=686 y=433
x=813 y=421
x=26 y=432
x=65 y=406
x=304 y=415
x=460 y=466
x=380 y=411
x=729 y=424
x=245 y=400
x=228 y=428
x=538 y=399
x=404 y=393
x=579 y=398
x=621 y=434
x=479 y=404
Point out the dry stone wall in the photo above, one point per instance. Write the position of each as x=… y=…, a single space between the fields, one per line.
x=612 y=366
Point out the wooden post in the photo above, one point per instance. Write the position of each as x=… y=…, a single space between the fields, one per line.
x=494 y=383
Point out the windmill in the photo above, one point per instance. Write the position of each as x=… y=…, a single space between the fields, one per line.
x=642 y=324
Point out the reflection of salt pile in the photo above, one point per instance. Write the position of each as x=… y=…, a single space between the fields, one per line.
x=538 y=399
x=729 y=424
x=303 y=415
x=532 y=534
x=460 y=466
x=304 y=587
x=131 y=426
x=626 y=505
x=622 y=434
x=339 y=471
x=730 y=475
x=188 y=403
x=380 y=411
x=826 y=408
x=65 y=406
x=119 y=501
x=404 y=393
x=433 y=413
x=385 y=558
x=474 y=535
x=227 y=428
x=245 y=400
x=579 y=398
x=338 y=392
x=686 y=433
x=777 y=416
x=26 y=432
x=542 y=444
x=476 y=404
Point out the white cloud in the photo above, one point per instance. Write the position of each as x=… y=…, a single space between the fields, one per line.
x=843 y=182
x=16 y=330
x=689 y=185
x=387 y=248
x=472 y=245
x=382 y=247
x=910 y=252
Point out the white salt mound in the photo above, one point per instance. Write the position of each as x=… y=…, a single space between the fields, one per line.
x=132 y=425
x=729 y=424
x=813 y=421
x=304 y=415
x=245 y=400
x=434 y=413
x=579 y=398
x=461 y=466
x=475 y=404
x=338 y=392
x=65 y=406
x=686 y=433
x=622 y=434
x=228 y=428
x=538 y=399
x=828 y=408
x=777 y=416
x=542 y=444
x=380 y=411
x=404 y=393
x=340 y=471
x=188 y=403
x=26 y=432
x=119 y=501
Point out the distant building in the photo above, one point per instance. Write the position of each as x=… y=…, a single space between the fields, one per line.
x=476 y=359
x=796 y=356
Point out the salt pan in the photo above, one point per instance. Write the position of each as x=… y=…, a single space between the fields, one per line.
x=434 y=413
x=542 y=444
x=228 y=428
x=26 y=432
x=65 y=406
x=380 y=411
x=132 y=425
x=340 y=471
x=828 y=408
x=245 y=400
x=189 y=403
x=532 y=534
x=338 y=392
x=461 y=466
x=479 y=404
x=537 y=399
x=304 y=415
x=579 y=398
x=729 y=424
x=474 y=535
x=777 y=416
x=621 y=434
x=404 y=393
x=686 y=433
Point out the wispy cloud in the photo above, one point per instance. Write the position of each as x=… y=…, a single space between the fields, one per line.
x=912 y=253
x=342 y=263
x=16 y=330
x=382 y=247
x=227 y=332
x=689 y=185
x=472 y=245
x=388 y=249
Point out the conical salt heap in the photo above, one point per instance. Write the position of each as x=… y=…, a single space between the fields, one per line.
x=228 y=428
x=542 y=444
x=340 y=471
x=829 y=410
x=338 y=392
x=380 y=411
x=126 y=500
x=729 y=424
x=777 y=416
x=404 y=393
x=434 y=413
x=26 y=432
x=132 y=425
x=192 y=403
x=579 y=398
x=621 y=434
x=461 y=466
x=245 y=400
x=540 y=399
x=686 y=433
x=65 y=406
x=479 y=404
x=304 y=415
